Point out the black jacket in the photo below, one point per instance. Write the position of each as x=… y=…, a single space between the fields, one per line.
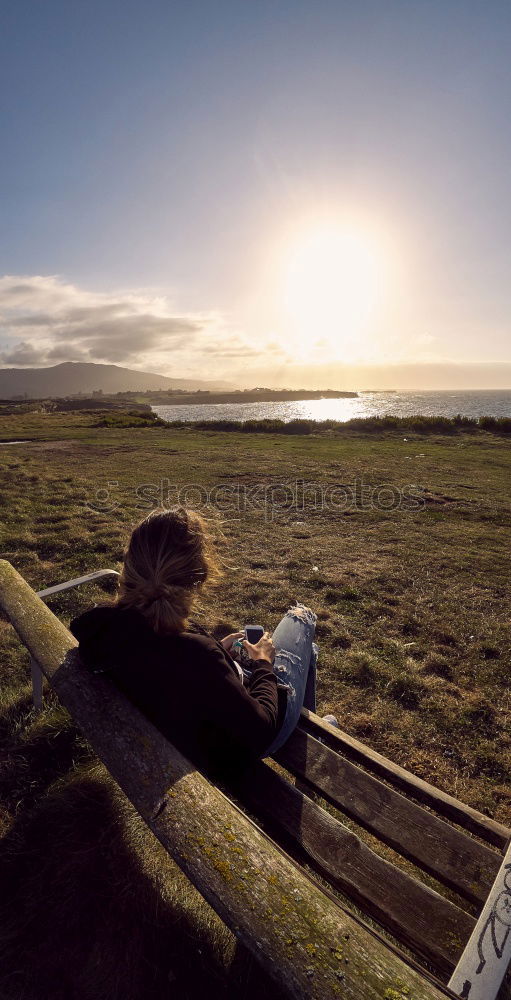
x=187 y=685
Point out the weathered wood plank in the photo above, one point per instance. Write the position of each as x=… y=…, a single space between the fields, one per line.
x=311 y=946
x=449 y=854
x=429 y=924
x=446 y=805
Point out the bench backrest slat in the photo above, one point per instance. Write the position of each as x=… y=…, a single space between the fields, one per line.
x=482 y=826
x=449 y=854
x=419 y=917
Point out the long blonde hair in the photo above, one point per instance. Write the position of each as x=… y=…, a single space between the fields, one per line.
x=168 y=560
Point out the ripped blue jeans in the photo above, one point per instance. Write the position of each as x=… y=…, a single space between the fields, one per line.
x=295 y=666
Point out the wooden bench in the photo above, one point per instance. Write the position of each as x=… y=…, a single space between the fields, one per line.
x=295 y=925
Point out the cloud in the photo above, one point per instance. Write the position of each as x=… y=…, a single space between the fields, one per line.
x=63 y=352
x=236 y=348
x=44 y=320
x=22 y=355
x=15 y=290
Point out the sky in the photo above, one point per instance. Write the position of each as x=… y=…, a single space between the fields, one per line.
x=259 y=192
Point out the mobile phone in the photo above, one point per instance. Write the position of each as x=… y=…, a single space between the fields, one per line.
x=253 y=633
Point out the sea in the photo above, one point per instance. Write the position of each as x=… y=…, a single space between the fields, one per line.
x=445 y=403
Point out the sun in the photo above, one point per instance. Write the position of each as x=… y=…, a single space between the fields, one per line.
x=334 y=279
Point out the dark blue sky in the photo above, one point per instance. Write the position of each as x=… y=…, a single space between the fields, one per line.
x=172 y=145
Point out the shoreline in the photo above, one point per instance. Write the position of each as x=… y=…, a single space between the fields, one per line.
x=204 y=398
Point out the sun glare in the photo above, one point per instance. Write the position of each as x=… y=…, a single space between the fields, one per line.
x=334 y=281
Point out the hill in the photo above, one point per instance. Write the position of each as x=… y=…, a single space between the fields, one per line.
x=73 y=377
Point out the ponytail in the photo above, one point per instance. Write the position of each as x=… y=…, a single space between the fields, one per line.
x=168 y=559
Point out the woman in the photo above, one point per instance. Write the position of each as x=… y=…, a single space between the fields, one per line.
x=188 y=684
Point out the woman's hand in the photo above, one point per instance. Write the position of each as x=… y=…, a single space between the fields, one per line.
x=228 y=640
x=262 y=650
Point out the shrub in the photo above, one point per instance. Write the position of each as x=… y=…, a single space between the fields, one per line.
x=467 y=422
x=496 y=425
x=417 y=424
x=488 y=423
x=130 y=418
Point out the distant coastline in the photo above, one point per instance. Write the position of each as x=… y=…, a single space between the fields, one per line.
x=204 y=398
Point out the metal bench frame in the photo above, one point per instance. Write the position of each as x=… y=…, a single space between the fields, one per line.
x=58 y=588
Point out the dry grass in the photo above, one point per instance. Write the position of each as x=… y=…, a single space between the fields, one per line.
x=413 y=625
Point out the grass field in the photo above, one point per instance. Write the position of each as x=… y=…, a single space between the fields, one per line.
x=400 y=545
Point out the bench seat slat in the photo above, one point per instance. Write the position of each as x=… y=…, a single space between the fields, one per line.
x=449 y=854
x=430 y=925
x=482 y=826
